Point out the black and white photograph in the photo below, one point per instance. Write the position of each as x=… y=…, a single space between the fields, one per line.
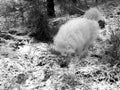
x=59 y=44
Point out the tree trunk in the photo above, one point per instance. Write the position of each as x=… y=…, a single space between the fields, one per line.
x=74 y=1
x=50 y=8
x=96 y=2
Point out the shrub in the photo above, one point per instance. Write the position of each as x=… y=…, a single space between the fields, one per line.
x=41 y=31
x=112 y=53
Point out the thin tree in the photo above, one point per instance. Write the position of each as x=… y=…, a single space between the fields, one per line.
x=96 y=1
x=50 y=8
x=74 y=1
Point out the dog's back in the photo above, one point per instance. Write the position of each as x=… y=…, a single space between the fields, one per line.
x=75 y=34
x=78 y=34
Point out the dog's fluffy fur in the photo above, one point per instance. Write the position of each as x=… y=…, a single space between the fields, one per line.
x=93 y=14
x=78 y=34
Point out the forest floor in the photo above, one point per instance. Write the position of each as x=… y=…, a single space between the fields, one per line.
x=26 y=66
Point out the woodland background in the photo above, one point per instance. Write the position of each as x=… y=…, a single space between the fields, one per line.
x=27 y=62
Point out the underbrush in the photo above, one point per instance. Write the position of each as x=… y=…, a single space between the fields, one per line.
x=113 y=51
x=26 y=66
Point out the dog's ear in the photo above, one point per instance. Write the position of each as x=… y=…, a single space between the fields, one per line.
x=101 y=24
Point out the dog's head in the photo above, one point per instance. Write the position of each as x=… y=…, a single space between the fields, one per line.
x=95 y=14
x=102 y=24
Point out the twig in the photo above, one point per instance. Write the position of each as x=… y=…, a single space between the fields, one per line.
x=83 y=11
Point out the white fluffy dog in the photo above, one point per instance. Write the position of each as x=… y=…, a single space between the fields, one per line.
x=76 y=35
